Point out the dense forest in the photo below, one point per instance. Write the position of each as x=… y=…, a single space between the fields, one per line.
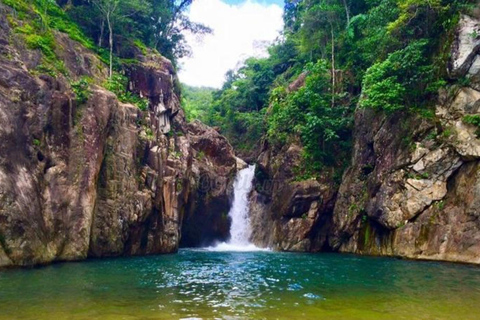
x=332 y=57
x=115 y=29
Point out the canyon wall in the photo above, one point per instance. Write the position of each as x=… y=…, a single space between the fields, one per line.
x=98 y=177
x=412 y=189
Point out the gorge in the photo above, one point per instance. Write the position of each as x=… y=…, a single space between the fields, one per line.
x=97 y=177
x=312 y=199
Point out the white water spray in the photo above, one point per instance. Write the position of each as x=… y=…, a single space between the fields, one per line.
x=240 y=228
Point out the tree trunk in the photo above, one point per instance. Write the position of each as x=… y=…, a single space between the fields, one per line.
x=102 y=29
x=333 y=66
x=110 y=42
x=347 y=11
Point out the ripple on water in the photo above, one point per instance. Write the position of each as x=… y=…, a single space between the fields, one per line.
x=241 y=285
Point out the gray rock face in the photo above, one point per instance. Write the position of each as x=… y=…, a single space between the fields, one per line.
x=466 y=47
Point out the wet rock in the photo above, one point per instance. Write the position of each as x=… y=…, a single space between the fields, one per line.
x=214 y=171
x=285 y=214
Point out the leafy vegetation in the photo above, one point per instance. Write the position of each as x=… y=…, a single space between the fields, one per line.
x=118 y=85
x=112 y=28
x=473 y=119
x=196 y=102
x=309 y=113
x=81 y=89
x=335 y=55
x=117 y=24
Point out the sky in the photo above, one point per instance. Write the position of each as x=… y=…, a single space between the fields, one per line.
x=241 y=29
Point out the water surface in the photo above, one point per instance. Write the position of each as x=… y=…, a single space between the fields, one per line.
x=241 y=285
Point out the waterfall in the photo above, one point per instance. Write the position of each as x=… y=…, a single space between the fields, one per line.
x=240 y=227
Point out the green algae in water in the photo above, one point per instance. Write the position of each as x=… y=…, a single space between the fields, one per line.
x=259 y=285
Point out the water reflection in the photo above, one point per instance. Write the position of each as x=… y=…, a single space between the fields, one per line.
x=202 y=284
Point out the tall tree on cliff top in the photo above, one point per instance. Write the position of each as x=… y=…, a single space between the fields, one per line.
x=322 y=21
x=114 y=11
x=159 y=24
x=168 y=25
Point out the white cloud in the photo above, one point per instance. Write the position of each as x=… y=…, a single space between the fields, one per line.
x=240 y=31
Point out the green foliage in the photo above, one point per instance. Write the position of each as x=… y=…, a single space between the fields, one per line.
x=239 y=107
x=441 y=205
x=472 y=119
x=447 y=133
x=81 y=89
x=46 y=43
x=196 y=102
x=381 y=91
x=149 y=133
x=201 y=155
x=324 y=127
x=156 y=24
x=44 y=16
x=140 y=45
x=118 y=85
x=36 y=21
x=38 y=38
x=364 y=218
x=402 y=80
x=391 y=51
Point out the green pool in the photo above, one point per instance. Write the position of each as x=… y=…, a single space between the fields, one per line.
x=258 y=285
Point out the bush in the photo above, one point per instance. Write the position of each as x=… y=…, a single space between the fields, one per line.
x=118 y=85
x=324 y=128
x=405 y=79
x=44 y=42
x=81 y=89
x=472 y=119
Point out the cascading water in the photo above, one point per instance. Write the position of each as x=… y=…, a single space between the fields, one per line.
x=240 y=227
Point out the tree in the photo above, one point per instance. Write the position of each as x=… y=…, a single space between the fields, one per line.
x=168 y=26
x=114 y=11
x=322 y=21
x=347 y=11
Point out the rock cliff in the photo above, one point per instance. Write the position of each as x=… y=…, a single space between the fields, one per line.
x=214 y=167
x=97 y=177
x=84 y=175
x=412 y=189
x=287 y=214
